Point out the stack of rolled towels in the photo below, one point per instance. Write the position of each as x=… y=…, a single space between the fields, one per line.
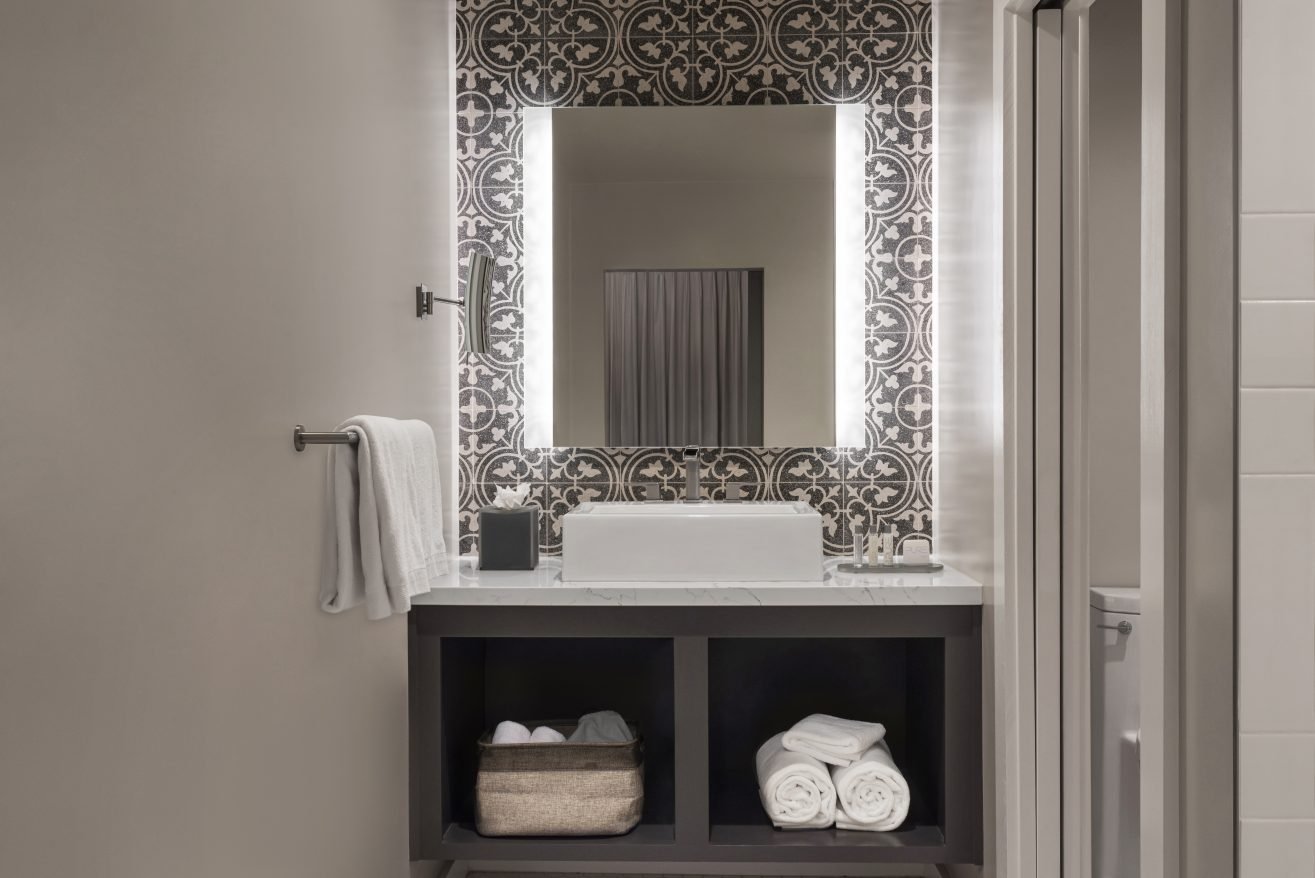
x=510 y=732
x=828 y=771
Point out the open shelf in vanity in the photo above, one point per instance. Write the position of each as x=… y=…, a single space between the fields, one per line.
x=707 y=685
x=484 y=680
x=761 y=686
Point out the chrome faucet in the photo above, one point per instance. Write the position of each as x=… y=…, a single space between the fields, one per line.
x=691 y=458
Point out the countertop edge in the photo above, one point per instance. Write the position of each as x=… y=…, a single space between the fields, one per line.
x=465 y=585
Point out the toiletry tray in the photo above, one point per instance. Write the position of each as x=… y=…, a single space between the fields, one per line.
x=850 y=567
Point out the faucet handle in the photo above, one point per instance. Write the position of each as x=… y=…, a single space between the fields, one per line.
x=649 y=492
x=736 y=491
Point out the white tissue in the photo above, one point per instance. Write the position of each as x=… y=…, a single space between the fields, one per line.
x=511 y=498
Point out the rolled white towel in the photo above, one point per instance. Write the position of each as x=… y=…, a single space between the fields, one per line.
x=872 y=793
x=831 y=739
x=509 y=732
x=795 y=789
x=546 y=735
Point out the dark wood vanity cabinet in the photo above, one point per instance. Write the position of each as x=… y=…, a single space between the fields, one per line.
x=706 y=685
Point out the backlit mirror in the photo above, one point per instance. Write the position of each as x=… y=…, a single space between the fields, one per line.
x=694 y=276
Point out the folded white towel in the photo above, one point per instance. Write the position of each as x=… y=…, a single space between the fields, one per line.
x=795 y=789
x=509 y=732
x=831 y=739
x=872 y=792
x=386 y=522
x=602 y=727
x=546 y=735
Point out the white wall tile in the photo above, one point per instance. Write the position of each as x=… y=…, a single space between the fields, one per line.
x=1278 y=106
x=1277 y=776
x=1271 y=849
x=1277 y=431
x=1276 y=604
x=1277 y=257
x=1276 y=588
x=1277 y=344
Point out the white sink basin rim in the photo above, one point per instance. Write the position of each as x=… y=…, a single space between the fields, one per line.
x=692 y=542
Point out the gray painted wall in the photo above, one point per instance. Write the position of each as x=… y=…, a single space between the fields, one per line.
x=968 y=347
x=211 y=215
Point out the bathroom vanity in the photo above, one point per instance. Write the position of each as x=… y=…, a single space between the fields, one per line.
x=708 y=671
x=751 y=284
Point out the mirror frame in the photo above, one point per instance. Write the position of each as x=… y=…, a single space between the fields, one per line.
x=850 y=357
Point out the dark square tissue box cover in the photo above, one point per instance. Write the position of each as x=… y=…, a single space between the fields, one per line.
x=509 y=538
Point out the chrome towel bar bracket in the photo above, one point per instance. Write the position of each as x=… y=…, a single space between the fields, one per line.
x=301 y=437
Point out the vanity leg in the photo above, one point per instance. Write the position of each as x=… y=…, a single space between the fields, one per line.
x=691 y=723
x=963 y=744
x=425 y=773
x=432 y=868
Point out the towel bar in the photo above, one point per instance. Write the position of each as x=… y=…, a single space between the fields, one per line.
x=301 y=437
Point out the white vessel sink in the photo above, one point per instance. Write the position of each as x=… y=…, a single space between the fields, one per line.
x=692 y=542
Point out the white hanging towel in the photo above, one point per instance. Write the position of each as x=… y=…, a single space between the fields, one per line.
x=795 y=790
x=872 y=793
x=385 y=541
x=833 y=740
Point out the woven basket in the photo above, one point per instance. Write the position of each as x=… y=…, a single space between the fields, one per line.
x=562 y=789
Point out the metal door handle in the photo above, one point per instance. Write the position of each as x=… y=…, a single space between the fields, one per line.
x=1124 y=627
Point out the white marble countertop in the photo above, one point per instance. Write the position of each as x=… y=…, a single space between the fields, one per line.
x=465 y=586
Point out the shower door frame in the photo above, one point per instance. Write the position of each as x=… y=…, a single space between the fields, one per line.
x=1057 y=106
x=1188 y=445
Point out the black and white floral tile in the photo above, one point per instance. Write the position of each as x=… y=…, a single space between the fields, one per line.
x=513 y=54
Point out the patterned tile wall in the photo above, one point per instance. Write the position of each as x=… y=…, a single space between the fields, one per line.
x=513 y=54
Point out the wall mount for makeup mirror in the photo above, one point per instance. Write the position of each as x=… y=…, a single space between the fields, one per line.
x=425 y=300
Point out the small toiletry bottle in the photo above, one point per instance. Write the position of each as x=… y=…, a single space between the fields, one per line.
x=860 y=541
x=874 y=544
x=888 y=545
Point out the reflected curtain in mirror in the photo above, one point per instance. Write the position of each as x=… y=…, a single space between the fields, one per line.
x=683 y=357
